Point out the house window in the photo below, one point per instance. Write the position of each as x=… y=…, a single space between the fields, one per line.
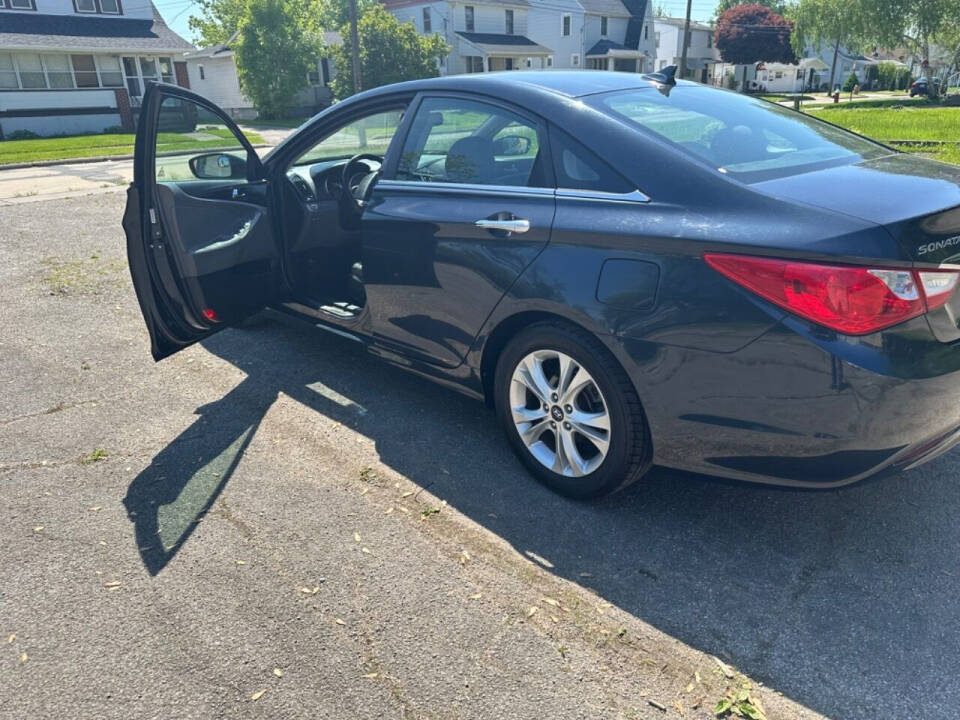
x=603 y=25
x=133 y=77
x=549 y=61
x=508 y=63
x=31 y=71
x=8 y=73
x=103 y=7
x=656 y=39
x=18 y=5
x=427 y=24
x=85 y=71
x=529 y=62
x=575 y=60
x=508 y=21
x=565 y=22
x=59 y=74
x=474 y=64
x=166 y=71
x=203 y=75
x=468 y=16
x=646 y=32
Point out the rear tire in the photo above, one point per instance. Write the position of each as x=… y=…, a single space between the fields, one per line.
x=570 y=412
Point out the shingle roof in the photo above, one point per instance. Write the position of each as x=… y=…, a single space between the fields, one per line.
x=71 y=32
x=604 y=7
x=496 y=42
x=604 y=46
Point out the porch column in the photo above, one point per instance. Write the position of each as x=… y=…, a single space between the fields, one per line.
x=610 y=62
x=489 y=64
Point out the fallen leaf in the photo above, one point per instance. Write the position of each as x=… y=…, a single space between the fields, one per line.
x=696 y=676
x=689 y=687
x=356 y=536
x=338 y=621
x=13 y=636
x=407 y=494
x=96 y=508
x=476 y=596
x=112 y=584
x=103 y=542
x=365 y=491
x=241 y=562
x=724 y=668
x=388 y=510
x=406 y=510
x=366 y=550
x=38 y=528
x=555 y=618
x=370 y=676
x=696 y=703
x=257 y=695
x=658 y=706
x=551 y=601
x=532 y=611
x=306 y=591
x=23 y=657
x=278 y=672
x=679 y=706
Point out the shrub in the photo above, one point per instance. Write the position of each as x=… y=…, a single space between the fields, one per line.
x=22 y=135
x=114 y=130
x=851 y=80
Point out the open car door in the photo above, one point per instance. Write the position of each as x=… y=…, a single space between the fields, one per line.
x=200 y=244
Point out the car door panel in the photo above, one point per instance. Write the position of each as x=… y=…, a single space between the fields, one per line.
x=431 y=275
x=202 y=256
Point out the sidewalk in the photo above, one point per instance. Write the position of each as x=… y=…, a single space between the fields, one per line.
x=50 y=182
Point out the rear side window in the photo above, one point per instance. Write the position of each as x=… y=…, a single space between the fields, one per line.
x=577 y=168
x=749 y=139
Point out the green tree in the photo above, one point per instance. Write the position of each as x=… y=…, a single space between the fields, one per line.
x=831 y=23
x=915 y=23
x=273 y=53
x=217 y=20
x=389 y=52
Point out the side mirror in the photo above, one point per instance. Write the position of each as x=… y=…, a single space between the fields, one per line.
x=218 y=166
x=511 y=146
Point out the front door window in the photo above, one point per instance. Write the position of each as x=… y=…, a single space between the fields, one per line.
x=453 y=140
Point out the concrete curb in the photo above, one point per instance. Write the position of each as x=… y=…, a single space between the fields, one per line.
x=83 y=160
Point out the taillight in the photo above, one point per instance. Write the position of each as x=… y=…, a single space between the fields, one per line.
x=849 y=299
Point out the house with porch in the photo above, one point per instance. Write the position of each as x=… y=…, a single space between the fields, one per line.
x=76 y=66
x=619 y=35
x=532 y=34
x=484 y=36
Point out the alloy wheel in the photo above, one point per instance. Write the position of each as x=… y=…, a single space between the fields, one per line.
x=560 y=413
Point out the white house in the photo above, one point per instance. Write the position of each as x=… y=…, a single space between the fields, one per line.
x=701 y=53
x=619 y=35
x=491 y=35
x=484 y=36
x=74 y=66
x=212 y=73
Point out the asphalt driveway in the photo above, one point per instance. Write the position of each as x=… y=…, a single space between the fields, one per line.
x=275 y=524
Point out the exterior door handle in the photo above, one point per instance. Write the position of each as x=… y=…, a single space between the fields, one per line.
x=511 y=226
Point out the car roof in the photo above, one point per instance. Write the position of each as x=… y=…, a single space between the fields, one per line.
x=569 y=83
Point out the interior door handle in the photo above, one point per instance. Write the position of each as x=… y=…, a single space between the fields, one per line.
x=513 y=226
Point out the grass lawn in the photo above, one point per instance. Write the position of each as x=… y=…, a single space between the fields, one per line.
x=83 y=146
x=929 y=123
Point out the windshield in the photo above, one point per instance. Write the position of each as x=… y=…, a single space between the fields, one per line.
x=749 y=139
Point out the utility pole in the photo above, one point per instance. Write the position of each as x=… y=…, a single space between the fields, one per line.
x=355 y=43
x=686 y=41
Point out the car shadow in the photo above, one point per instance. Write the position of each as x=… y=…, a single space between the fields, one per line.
x=845 y=600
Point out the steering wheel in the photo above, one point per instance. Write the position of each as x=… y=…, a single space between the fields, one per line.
x=353 y=195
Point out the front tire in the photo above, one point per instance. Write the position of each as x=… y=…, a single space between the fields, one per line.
x=570 y=412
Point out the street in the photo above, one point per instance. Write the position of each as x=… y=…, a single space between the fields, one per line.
x=276 y=524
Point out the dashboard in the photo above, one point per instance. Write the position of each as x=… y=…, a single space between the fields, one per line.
x=323 y=181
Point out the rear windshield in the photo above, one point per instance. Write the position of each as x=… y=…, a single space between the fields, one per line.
x=749 y=139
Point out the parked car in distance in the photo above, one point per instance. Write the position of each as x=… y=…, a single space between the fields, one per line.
x=919 y=87
x=631 y=270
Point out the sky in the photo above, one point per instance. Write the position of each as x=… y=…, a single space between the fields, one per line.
x=177 y=12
